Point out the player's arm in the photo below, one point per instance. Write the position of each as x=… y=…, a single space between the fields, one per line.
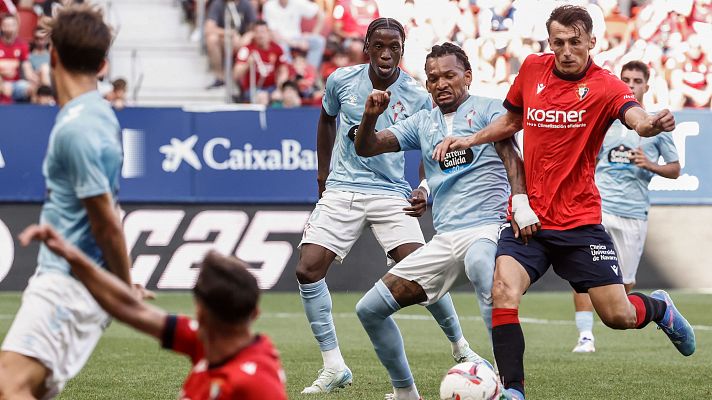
x=110 y=292
x=670 y=170
x=325 y=136
x=525 y=223
x=109 y=234
x=368 y=143
x=419 y=196
x=647 y=125
x=502 y=128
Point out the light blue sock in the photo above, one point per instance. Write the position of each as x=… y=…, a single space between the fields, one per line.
x=317 y=306
x=444 y=313
x=479 y=267
x=584 y=322
x=374 y=310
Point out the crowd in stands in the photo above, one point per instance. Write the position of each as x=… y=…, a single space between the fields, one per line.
x=298 y=43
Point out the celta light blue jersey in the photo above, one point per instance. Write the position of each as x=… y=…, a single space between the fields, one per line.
x=83 y=160
x=470 y=187
x=623 y=185
x=346 y=91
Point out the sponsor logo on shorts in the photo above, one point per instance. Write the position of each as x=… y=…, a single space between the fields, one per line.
x=457 y=160
x=601 y=252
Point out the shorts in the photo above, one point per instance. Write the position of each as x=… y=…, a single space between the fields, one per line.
x=584 y=256
x=339 y=218
x=628 y=236
x=440 y=264
x=59 y=323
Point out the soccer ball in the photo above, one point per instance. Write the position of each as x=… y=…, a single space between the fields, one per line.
x=470 y=381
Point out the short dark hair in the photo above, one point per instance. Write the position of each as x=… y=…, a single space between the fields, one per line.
x=259 y=22
x=571 y=16
x=119 y=84
x=441 y=50
x=45 y=90
x=290 y=84
x=226 y=288
x=637 y=66
x=81 y=38
x=384 y=23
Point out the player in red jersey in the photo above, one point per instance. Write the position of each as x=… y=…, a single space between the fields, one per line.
x=565 y=104
x=229 y=361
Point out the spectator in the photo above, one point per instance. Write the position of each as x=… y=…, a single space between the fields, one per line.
x=49 y=6
x=287 y=97
x=265 y=57
x=117 y=96
x=7 y=6
x=39 y=56
x=44 y=96
x=215 y=34
x=14 y=63
x=304 y=74
x=351 y=17
x=284 y=18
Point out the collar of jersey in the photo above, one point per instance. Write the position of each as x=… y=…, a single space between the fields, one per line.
x=576 y=77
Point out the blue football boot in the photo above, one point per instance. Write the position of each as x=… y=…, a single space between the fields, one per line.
x=675 y=325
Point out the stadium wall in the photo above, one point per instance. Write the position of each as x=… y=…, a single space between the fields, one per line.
x=244 y=182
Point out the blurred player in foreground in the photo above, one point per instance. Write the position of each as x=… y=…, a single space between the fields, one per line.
x=626 y=164
x=229 y=361
x=565 y=104
x=356 y=192
x=470 y=192
x=59 y=323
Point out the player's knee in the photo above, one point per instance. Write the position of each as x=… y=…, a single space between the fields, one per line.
x=212 y=40
x=363 y=312
x=618 y=319
x=504 y=295
x=309 y=272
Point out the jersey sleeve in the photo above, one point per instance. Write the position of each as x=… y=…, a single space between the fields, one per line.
x=180 y=335
x=81 y=156
x=427 y=103
x=406 y=131
x=330 y=101
x=621 y=99
x=494 y=110
x=667 y=148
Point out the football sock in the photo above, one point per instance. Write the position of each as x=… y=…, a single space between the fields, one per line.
x=317 y=306
x=584 y=323
x=479 y=267
x=374 y=310
x=407 y=393
x=333 y=359
x=508 y=346
x=444 y=313
x=647 y=309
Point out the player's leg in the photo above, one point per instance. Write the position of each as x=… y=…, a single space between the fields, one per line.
x=584 y=323
x=21 y=377
x=333 y=227
x=628 y=235
x=479 y=268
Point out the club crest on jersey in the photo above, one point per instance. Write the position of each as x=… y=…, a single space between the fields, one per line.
x=581 y=91
x=397 y=108
x=469 y=116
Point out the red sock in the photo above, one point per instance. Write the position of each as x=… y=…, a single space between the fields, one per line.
x=639 y=310
x=504 y=316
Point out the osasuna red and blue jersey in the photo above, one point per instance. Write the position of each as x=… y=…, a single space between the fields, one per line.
x=565 y=119
x=254 y=373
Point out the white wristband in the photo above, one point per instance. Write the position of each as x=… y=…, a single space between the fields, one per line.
x=523 y=213
x=424 y=184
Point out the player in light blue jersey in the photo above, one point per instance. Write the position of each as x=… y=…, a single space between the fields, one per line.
x=59 y=323
x=362 y=192
x=626 y=164
x=470 y=191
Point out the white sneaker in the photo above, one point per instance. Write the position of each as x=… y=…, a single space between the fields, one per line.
x=584 y=345
x=465 y=354
x=330 y=380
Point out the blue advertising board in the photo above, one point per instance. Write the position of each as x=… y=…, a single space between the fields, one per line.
x=179 y=156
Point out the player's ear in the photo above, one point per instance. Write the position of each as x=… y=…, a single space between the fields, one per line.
x=468 y=78
x=592 y=43
x=647 y=87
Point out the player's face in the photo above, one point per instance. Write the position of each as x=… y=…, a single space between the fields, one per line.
x=384 y=52
x=262 y=35
x=571 y=46
x=9 y=29
x=636 y=82
x=447 y=82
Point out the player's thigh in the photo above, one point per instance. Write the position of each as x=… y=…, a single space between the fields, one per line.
x=21 y=376
x=433 y=268
x=519 y=265
x=390 y=224
x=585 y=256
x=58 y=324
x=336 y=222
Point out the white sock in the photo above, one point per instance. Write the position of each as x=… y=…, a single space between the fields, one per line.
x=409 y=393
x=333 y=359
x=461 y=343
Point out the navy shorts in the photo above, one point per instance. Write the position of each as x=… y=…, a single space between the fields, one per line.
x=584 y=256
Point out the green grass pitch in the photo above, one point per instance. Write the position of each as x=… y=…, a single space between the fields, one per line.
x=627 y=364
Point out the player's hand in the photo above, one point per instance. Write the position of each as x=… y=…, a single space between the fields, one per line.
x=377 y=102
x=322 y=186
x=53 y=240
x=638 y=157
x=418 y=203
x=142 y=293
x=525 y=222
x=449 y=144
x=663 y=120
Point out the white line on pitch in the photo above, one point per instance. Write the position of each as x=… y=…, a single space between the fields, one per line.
x=416 y=317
